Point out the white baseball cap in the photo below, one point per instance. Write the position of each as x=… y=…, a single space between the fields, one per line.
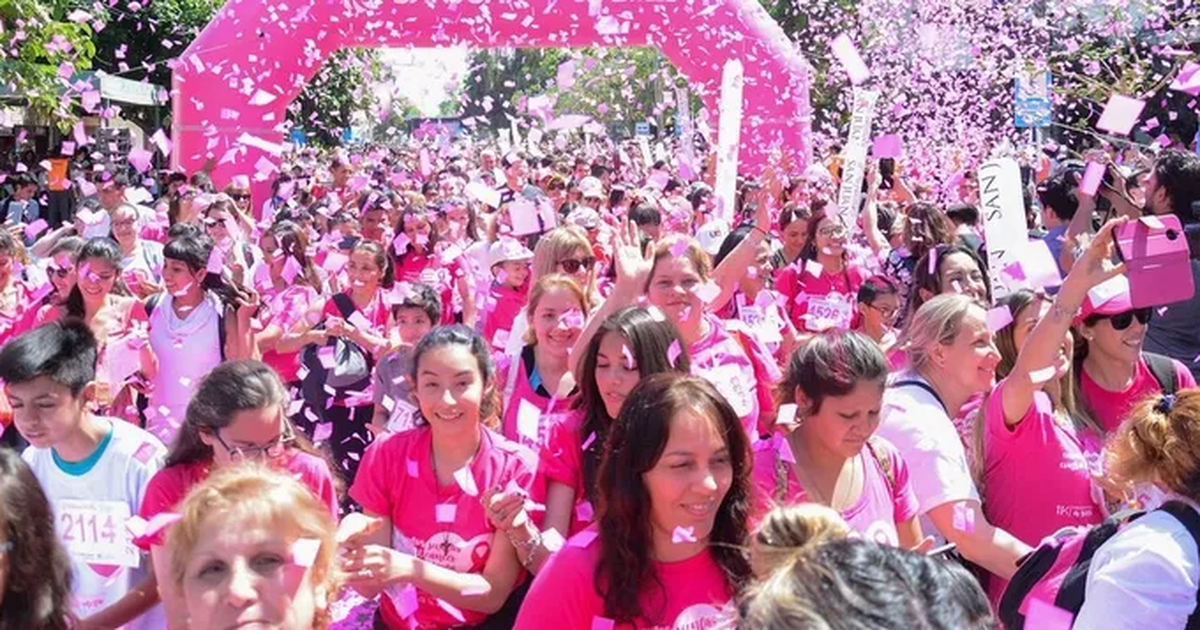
x=711 y=235
x=507 y=249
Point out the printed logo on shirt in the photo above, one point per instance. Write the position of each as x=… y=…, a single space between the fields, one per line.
x=447 y=549
x=704 y=617
x=733 y=386
x=145 y=452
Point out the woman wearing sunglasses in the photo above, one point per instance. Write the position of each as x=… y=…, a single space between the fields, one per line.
x=237 y=414
x=1113 y=371
x=566 y=250
x=823 y=284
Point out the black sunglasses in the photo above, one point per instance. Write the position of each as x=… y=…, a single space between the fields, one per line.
x=1121 y=321
x=239 y=197
x=572 y=265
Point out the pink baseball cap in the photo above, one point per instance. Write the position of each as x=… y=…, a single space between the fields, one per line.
x=1110 y=297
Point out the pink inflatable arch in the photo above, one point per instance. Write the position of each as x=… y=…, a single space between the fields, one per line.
x=234 y=83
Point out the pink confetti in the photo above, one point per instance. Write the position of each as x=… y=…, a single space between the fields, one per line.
x=304 y=551
x=466 y=481
x=673 y=353
x=1092 y=177
x=683 y=535
x=404 y=599
x=852 y=62
x=603 y=623
x=150 y=533
x=998 y=318
x=964 y=517
x=592 y=438
x=216 y=260
x=572 y=319
x=1041 y=376
x=445 y=512
x=888 y=146
x=1046 y=616
x=413 y=470
x=584 y=512
x=786 y=414
x=449 y=608
x=322 y=431
x=1120 y=114
x=583 y=539
x=34 y=229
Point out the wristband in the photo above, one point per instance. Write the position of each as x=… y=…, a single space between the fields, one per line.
x=764 y=232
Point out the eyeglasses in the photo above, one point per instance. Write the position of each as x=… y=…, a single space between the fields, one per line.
x=888 y=313
x=1121 y=321
x=833 y=230
x=239 y=196
x=61 y=272
x=274 y=450
x=572 y=265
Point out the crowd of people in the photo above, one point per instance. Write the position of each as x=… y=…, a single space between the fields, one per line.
x=448 y=386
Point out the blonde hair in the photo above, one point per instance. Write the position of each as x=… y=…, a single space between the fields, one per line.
x=557 y=244
x=544 y=285
x=252 y=493
x=665 y=247
x=938 y=321
x=788 y=530
x=1160 y=443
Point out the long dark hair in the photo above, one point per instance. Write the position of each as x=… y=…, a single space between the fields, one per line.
x=230 y=387
x=379 y=254
x=37 y=592
x=292 y=242
x=649 y=342
x=809 y=250
x=459 y=335
x=99 y=248
x=635 y=443
x=931 y=280
x=410 y=213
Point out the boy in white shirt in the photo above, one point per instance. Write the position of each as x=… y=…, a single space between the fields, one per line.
x=94 y=470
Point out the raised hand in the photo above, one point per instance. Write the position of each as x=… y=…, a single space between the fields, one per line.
x=632 y=263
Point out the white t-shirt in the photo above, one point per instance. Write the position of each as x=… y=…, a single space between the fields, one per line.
x=91 y=506
x=1145 y=576
x=187 y=349
x=915 y=422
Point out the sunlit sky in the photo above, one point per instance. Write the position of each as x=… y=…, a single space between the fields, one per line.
x=422 y=73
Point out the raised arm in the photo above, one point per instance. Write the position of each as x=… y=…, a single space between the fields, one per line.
x=633 y=271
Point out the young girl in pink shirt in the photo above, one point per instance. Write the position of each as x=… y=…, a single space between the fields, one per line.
x=836 y=382
x=1038 y=451
x=822 y=286
x=667 y=551
x=425 y=539
x=289 y=287
x=537 y=383
x=417 y=259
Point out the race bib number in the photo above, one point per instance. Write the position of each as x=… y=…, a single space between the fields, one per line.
x=94 y=532
x=831 y=311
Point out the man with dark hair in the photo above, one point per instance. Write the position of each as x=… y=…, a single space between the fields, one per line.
x=647 y=218
x=21 y=208
x=966 y=222
x=1172 y=187
x=1057 y=197
x=93 y=469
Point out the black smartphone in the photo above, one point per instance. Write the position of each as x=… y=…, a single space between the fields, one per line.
x=887 y=170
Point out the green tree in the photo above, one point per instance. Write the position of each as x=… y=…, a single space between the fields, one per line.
x=140 y=45
x=339 y=91
x=42 y=46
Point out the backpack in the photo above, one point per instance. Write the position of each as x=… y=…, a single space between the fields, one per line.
x=1163 y=369
x=1056 y=572
x=351 y=374
x=153 y=300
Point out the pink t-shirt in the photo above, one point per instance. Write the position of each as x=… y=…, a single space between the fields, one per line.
x=503 y=305
x=739 y=366
x=1037 y=474
x=284 y=309
x=169 y=486
x=429 y=270
x=562 y=461
x=694 y=593
x=820 y=300
x=1111 y=408
x=396 y=480
x=881 y=505
x=548 y=410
